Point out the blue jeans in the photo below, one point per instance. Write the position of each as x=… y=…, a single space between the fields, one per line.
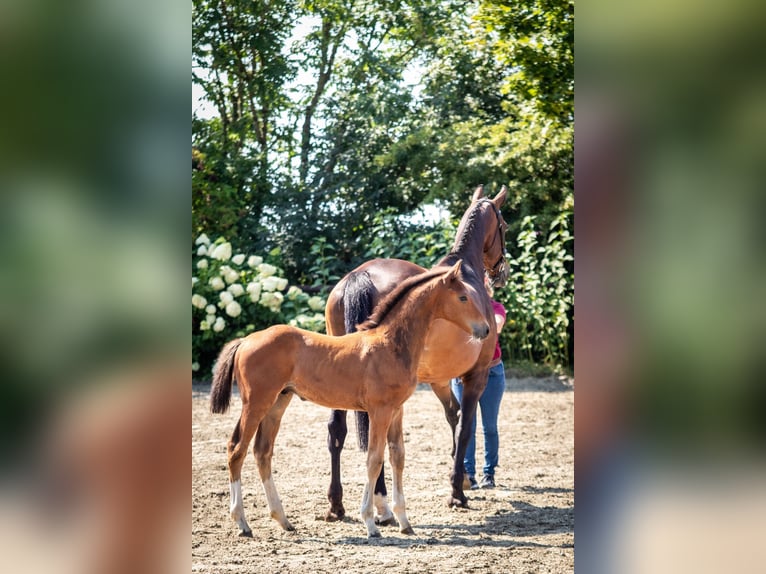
x=489 y=403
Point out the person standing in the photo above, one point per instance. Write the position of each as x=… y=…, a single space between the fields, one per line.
x=489 y=404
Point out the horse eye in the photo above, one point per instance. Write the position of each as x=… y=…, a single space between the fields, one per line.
x=463 y=298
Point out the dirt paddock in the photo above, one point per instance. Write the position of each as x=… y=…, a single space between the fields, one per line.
x=526 y=524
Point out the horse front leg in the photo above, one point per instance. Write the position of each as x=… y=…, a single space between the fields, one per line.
x=473 y=387
x=396 y=454
x=451 y=407
x=336 y=438
x=264 y=450
x=379 y=423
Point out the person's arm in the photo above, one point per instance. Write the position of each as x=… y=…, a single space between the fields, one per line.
x=500 y=320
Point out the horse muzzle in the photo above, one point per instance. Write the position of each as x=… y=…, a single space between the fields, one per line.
x=481 y=331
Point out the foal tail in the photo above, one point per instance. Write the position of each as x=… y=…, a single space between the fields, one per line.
x=357 y=307
x=223 y=373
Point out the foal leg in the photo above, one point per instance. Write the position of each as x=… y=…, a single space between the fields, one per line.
x=336 y=438
x=263 y=450
x=237 y=449
x=379 y=423
x=396 y=454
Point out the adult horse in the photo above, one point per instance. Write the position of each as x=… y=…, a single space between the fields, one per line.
x=372 y=369
x=449 y=353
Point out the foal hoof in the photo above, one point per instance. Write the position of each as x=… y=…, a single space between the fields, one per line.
x=246 y=533
x=407 y=530
x=374 y=535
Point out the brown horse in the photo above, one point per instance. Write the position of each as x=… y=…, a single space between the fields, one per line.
x=449 y=352
x=372 y=370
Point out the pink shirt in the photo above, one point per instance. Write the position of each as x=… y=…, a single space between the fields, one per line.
x=498 y=309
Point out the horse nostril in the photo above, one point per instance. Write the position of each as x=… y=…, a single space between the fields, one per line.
x=481 y=331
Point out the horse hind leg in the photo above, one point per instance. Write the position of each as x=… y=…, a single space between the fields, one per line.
x=263 y=450
x=451 y=407
x=336 y=438
x=237 y=448
x=396 y=454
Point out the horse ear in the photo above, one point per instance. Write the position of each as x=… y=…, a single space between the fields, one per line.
x=454 y=272
x=500 y=198
x=478 y=194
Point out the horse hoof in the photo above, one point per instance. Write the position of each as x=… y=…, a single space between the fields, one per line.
x=334 y=516
x=407 y=530
x=453 y=502
x=246 y=533
x=390 y=521
x=374 y=535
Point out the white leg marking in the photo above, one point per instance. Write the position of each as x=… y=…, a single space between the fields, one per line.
x=275 y=505
x=367 y=513
x=382 y=510
x=237 y=507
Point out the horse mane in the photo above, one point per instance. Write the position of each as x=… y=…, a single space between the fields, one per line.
x=390 y=301
x=467 y=227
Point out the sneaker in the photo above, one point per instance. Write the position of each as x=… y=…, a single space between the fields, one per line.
x=488 y=481
x=469 y=482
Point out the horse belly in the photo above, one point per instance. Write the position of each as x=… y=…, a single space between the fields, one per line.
x=449 y=352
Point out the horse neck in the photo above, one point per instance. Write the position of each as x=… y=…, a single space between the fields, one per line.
x=469 y=241
x=408 y=323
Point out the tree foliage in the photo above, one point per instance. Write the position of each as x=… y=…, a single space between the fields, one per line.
x=327 y=120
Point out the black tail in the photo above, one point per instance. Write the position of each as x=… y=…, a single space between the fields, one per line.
x=223 y=374
x=357 y=307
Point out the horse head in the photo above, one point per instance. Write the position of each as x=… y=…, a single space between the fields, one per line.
x=463 y=306
x=494 y=235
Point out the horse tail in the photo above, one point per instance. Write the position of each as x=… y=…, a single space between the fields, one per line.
x=223 y=374
x=357 y=307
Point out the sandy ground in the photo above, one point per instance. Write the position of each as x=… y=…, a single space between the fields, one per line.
x=526 y=524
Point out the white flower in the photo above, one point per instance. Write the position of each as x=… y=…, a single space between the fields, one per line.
x=204 y=325
x=272 y=300
x=266 y=270
x=194 y=281
x=238 y=259
x=236 y=289
x=226 y=298
x=233 y=309
x=210 y=319
x=219 y=325
x=316 y=303
x=281 y=283
x=266 y=298
x=276 y=301
x=202 y=264
x=222 y=252
x=231 y=276
x=293 y=292
x=202 y=250
x=195 y=366
x=202 y=240
x=270 y=283
x=254 y=261
x=217 y=283
x=254 y=289
x=210 y=310
x=199 y=301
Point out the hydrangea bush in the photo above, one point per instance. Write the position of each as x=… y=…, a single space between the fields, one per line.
x=234 y=294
